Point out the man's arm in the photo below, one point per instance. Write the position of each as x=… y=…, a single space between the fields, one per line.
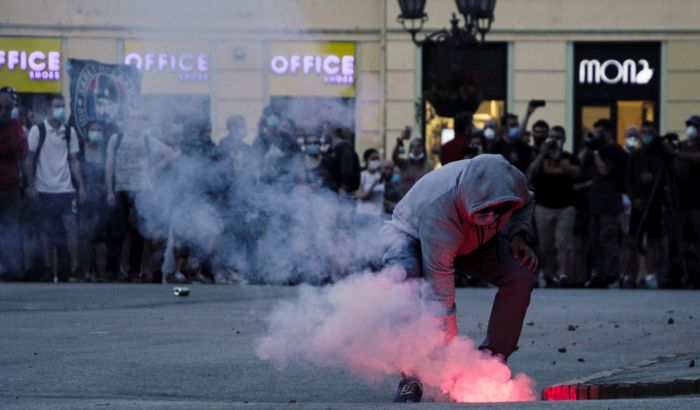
x=693 y=157
x=77 y=176
x=396 y=154
x=33 y=143
x=440 y=237
x=536 y=164
x=603 y=167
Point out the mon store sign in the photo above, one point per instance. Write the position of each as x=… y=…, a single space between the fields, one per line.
x=593 y=71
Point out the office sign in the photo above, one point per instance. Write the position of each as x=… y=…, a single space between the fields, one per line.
x=312 y=69
x=170 y=67
x=31 y=64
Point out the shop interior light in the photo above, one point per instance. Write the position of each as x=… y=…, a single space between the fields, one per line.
x=477 y=14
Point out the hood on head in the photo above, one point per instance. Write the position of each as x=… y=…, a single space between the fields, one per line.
x=489 y=180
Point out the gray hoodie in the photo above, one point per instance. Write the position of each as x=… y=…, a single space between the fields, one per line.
x=438 y=211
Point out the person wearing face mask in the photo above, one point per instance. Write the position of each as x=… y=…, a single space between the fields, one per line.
x=13 y=148
x=553 y=174
x=316 y=173
x=392 y=192
x=687 y=164
x=489 y=133
x=474 y=216
x=642 y=167
x=511 y=145
x=412 y=168
x=52 y=168
x=631 y=138
x=370 y=195
x=94 y=214
x=453 y=150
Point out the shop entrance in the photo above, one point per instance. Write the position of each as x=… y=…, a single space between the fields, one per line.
x=615 y=81
x=621 y=113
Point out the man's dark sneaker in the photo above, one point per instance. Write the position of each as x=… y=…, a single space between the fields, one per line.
x=410 y=390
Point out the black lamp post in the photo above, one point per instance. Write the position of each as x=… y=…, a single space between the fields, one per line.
x=478 y=16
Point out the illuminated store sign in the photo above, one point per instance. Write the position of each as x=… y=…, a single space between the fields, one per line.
x=615 y=72
x=335 y=69
x=31 y=64
x=312 y=69
x=189 y=67
x=169 y=66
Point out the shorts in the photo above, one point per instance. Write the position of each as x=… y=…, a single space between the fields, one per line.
x=57 y=205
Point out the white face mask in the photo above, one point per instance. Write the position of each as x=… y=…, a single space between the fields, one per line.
x=692 y=133
x=631 y=142
x=415 y=157
x=95 y=136
x=59 y=114
x=489 y=133
x=14 y=114
x=374 y=165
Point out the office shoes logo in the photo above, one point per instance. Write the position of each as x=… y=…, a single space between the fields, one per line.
x=614 y=72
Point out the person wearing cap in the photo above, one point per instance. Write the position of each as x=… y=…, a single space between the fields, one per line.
x=688 y=168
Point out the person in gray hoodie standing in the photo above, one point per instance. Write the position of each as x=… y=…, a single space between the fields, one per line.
x=475 y=216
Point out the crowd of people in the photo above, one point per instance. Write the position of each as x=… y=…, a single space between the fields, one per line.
x=73 y=208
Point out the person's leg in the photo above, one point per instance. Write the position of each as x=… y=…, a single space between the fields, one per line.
x=609 y=238
x=564 y=231
x=495 y=264
x=71 y=225
x=546 y=224
x=10 y=233
x=136 y=243
x=116 y=233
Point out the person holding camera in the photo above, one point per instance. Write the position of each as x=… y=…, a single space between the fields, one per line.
x=552 y=174
x=646 y=218
x=609 y=162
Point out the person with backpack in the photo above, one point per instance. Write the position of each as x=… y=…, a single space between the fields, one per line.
x=53 y=171
x=133 y=156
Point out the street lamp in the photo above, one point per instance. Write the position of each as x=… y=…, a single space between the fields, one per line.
x=477 y=14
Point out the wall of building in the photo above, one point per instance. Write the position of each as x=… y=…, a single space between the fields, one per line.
x=540 y=32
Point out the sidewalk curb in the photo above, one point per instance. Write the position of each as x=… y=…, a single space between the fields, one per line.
x=604 y=391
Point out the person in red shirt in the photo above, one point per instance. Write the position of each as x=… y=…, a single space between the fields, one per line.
x=454 y=149
x=13 y=148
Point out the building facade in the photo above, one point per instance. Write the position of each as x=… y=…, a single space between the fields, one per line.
x=628 y=60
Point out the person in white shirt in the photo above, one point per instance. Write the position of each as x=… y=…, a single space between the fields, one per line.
x=52 y=168
x=371 y=192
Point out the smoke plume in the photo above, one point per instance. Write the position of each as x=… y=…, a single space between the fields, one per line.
x=377 y=325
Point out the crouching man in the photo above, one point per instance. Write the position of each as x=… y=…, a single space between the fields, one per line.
x=474 y=216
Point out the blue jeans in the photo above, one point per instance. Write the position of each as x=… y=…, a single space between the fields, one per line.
x=492 y=263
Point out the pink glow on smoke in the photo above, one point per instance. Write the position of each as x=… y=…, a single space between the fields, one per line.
x=376 y=326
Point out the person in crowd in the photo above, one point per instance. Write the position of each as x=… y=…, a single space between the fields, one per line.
x=133 y=155
x=475 y=147
x=316 y=173
x=511 y=145
x=370 y=195
x=462 y=217
x=540 y=133
x=552 y=174
x=609 y=162
x=644 y=164
x=687 y=165
x=344 y=164
x=392 y=192
x=52 y=166
x=13 y=148
x=454 y=150
x=94 y=214
x=631 y=139
x=490 y=132
x=415 y=166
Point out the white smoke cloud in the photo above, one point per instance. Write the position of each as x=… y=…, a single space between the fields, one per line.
x=377 y=325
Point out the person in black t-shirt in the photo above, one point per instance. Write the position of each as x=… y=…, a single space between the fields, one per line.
x=552 y=173
x=609 y=164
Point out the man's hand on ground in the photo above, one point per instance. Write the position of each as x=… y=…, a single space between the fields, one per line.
x=520 y=249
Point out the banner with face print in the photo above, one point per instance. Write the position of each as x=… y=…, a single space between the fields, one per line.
x=101 y=92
